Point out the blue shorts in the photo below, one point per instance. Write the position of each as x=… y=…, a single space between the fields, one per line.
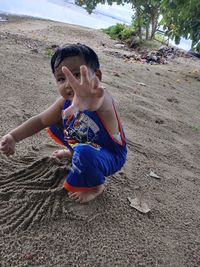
x=90 y=163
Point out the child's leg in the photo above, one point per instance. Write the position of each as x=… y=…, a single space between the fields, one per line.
x=90 y=165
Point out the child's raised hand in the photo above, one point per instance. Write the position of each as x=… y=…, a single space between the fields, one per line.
x=88 y=93
x=7 y=145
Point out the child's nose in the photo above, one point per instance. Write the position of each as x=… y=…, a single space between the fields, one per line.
x=67 y=86
x=68 y=89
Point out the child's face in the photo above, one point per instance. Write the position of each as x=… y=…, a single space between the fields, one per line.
x=73 y=64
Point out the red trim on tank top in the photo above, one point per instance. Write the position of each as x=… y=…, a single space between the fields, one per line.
x=119 y=125
x=55 y=138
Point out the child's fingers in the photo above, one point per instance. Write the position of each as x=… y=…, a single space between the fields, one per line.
x=9 y=153
x=84 y=74
x=97 y=89
x=6 y=150
x=70 y=78
x=101 y=91
x=95 y=85
x=2 y=148
x=2 y=144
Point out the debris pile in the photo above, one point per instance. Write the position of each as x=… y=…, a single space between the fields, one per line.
x=160 y=56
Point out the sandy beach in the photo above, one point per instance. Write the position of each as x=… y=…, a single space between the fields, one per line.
x=159 y=106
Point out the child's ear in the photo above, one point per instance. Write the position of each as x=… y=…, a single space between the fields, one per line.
x=98 y=74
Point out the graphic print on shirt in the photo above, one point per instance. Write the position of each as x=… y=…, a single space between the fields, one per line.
x=76 y=164
x=81 y=128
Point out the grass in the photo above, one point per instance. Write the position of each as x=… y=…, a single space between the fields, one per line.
x=150 y=44
x=49 y=51
x=161 y=38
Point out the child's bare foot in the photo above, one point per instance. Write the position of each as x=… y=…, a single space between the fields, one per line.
x=62 y=153
x=84 y=197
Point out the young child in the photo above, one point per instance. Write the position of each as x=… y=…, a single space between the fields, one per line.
x=84 y=119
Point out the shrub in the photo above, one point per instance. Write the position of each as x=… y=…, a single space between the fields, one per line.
x=120 y=32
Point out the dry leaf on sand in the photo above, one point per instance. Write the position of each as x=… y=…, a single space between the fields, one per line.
x=152 y=174
x=139 y=204
x=143 y=84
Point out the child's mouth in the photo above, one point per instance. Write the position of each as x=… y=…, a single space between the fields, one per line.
x=71 y=94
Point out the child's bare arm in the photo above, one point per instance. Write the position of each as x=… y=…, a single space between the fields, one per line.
x=38 y=122
x=31 y=127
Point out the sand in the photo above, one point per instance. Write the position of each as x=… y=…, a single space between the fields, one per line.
x=159 y=106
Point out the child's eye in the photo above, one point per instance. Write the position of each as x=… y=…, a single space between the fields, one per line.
x=77 y=75
x=60 y=80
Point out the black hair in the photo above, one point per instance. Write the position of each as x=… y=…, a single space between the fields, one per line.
x=71 y=50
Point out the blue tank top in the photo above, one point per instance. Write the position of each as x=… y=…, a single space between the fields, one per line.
x=88 y=127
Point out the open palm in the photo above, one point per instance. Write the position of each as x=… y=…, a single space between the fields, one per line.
x=88 y=94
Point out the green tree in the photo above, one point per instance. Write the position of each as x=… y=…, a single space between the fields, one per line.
x=146 y=16
x=181 y=18
x=91 y=5
x=145 y=13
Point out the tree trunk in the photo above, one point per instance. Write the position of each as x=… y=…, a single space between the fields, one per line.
x=154 y=21
x=147 y=31
x=138 y=15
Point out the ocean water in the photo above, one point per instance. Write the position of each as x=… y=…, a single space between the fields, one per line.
x=66 y=11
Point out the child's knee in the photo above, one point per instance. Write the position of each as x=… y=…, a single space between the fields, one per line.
x=84 y=157
x=85 y=170
x=87 y=152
